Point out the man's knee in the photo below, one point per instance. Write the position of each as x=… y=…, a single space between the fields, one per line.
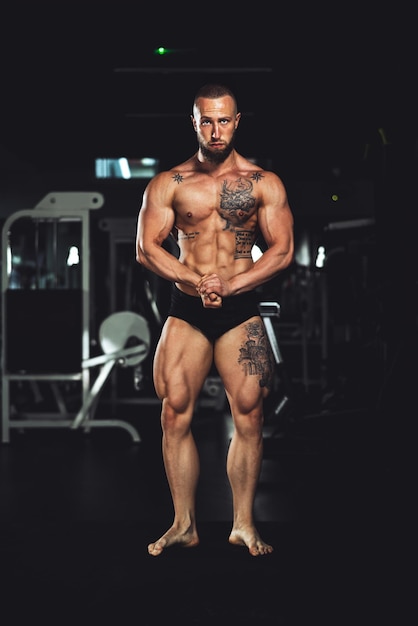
x=249 y=414
x=175 y=406
x=249 y=401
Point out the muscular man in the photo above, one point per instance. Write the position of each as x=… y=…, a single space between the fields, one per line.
x=215 y=204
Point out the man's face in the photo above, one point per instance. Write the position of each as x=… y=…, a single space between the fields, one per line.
x=215 y=121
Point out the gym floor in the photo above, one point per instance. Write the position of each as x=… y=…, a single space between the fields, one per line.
x=78 y=509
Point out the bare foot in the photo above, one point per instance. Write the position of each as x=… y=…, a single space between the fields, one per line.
x=249 y=537
x=174 y=536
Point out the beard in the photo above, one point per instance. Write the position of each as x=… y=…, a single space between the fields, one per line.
x=216 y=156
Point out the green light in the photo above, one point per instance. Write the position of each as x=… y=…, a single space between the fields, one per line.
x=161 y=51
x=334 y=197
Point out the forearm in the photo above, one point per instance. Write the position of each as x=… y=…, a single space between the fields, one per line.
x=268 y=266
x=164 y=264
x=265 y=269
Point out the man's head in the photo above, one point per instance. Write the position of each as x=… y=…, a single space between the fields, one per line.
x=215 y=120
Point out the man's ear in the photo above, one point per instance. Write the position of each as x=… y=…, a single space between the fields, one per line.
x=237 y=119
x=193 y=122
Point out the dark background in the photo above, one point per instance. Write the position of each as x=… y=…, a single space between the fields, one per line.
x=315 y=84
x=328 y=100
x=328 y=96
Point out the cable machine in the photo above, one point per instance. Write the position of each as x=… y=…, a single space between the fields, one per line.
x=46 y=318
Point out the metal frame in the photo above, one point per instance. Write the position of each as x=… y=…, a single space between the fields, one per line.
x=58 y=206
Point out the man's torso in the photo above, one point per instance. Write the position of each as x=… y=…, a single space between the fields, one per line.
x=216 y=221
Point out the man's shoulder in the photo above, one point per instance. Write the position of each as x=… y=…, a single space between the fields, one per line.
x=185 y=166
x=248 y=168
x=176 y=174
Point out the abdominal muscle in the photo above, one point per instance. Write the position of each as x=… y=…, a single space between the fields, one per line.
x=213 y=251
x=224 y=271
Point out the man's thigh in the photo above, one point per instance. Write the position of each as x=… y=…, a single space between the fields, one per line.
x=245 y=362
x=182 y=360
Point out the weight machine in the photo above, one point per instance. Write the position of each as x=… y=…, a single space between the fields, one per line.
x=46 y=337
x=269 y=311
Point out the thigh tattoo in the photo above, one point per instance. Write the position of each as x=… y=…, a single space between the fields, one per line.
x=256 y=355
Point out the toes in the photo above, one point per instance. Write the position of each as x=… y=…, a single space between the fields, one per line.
x=155 y=548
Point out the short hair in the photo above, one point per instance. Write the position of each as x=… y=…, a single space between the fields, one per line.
x=214 y=90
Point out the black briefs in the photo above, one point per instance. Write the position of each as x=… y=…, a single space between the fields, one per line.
x=213 y=322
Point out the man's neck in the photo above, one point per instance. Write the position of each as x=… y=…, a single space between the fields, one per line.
x=210 y=167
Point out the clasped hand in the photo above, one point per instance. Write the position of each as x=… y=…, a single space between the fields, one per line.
x=211 y=288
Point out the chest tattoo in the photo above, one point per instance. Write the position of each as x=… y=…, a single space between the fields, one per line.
x=236 y=200
x=244 y=240
x=188 y=235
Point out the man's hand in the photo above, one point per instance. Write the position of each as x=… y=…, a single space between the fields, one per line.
x=211 y=301
x=211 y=288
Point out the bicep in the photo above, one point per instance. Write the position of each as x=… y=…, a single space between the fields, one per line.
x=276 y=218
x=155 y=218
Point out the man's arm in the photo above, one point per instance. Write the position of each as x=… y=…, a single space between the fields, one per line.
x=155 y=222
x=275 y=221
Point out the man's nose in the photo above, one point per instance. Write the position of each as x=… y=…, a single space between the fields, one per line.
x=215 y=130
